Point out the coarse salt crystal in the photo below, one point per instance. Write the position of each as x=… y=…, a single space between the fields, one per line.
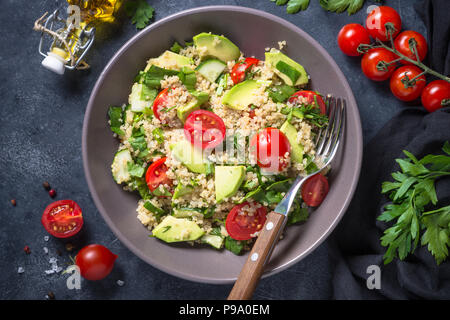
x=46 y=238
x=45 y=250
x=120 y=283
x=20 y=270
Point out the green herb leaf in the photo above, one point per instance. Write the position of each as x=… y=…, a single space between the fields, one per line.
x=295 y=6
x=338 y=6
x=234 y=246
x=135 y=170
x=176 y=47
x=290 y=72
x=140 y=12
x=152 y=78
x=158 y=134
x=116 y=119
x=281 y=93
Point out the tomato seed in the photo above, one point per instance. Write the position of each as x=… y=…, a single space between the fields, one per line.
x=52 y=193
x=27 y=250
x=46 y=186
x=13 y=202
x=69 y=247
x=50 y=296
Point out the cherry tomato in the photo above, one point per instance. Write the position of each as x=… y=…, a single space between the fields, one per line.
x=269 y=147
x=350 y=37
x=436 y=95
x=62 y=219
x=204 y=128
x=245 y=219
x=315 y=190
x=309 y=95
x=156 y=174
x=407 y=92
x=401 y=43
x=372 y=67
x=160 y=102
x=240 y=69
x=377 y=19
x=95 y=261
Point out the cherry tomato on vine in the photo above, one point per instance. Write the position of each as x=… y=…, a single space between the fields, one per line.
x=403 y=86
x=160 y=102
x=373 y=67
x=156 y=175
x=378 y=18
x=62 y=219
x=402 y=44
x=269 y=147
x=241 y=68
x=95 y=261
x=311 y=98
x=315 y=190
x=436 y=95
x=204 y=127
x=245 y=219
x=350 y=37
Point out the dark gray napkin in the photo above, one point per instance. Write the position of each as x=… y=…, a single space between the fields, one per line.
x=355 y=244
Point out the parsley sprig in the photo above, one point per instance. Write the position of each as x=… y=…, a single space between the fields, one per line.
x=140 y=12
x=412 y=192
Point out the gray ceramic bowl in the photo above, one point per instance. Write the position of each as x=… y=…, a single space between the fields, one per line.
x=118 y=207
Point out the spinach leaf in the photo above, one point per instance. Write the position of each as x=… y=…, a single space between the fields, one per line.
x=116 y=119
x=176 y=47
x=135 y=170
x=281 y=93
x=234 y=246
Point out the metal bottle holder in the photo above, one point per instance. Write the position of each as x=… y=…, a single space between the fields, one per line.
x=58 y=30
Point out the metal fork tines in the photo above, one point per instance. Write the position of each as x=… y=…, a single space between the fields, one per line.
x=327 y=144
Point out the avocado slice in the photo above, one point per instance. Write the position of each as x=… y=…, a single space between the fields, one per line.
x=184 y=111
x=240 y=96
x=192 y=158
x=292 y=73
x=227 y=180
x=291 y=134
x=185 y=213
x=173 y=229
x=217 y=46
x=172 y=57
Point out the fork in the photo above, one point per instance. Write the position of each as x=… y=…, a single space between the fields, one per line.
x=327 y=143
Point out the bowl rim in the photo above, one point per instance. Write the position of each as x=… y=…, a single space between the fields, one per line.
x=351 y=100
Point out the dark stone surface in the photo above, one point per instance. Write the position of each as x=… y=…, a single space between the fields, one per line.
x=41 y=119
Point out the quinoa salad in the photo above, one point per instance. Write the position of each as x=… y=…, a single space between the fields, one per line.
x=211 y=140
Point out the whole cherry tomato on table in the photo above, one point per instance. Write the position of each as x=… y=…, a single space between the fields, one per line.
x=62 y=219
x=95 y=261
x=311 y=98
x=269 y=147
x=372 y=66
x=204 y=127
x=402 y=44
x=350 y=37
x=315 y=190
x=403 y=87
x=241 y=68
x=378 y=18
x=245 y=219
x=156 y=175
x=436 y=95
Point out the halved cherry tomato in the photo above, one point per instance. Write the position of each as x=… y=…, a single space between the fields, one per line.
x=95 y=261
x=309 y=95
x=372 y=67
x=240 y=69
x=401 y=43
x=204 y=128
x=350 y=37
x=160 y=102
x=315 y=190
x=269 y=147
x=407 y=92
x=156 y=174
x=378 y=18
x=245 y=219
x=62 y=219
x=436 y=95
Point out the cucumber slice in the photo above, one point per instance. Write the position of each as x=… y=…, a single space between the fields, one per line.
x=211 y=69
x=215 y=241
x=137 y=98
x=119 y=167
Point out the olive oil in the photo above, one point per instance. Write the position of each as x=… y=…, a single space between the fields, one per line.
x=97 y=10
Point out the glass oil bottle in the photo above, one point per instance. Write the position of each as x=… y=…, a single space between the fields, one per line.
x=72 y=37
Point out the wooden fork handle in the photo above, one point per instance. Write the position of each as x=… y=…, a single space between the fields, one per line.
x=253 y=268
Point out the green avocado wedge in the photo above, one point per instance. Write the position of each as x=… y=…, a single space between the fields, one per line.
x=173 y=229
x=227 y=181
x=217 y=46
x=292 y=73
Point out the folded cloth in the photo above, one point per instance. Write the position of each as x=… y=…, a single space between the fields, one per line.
x=355 y=244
